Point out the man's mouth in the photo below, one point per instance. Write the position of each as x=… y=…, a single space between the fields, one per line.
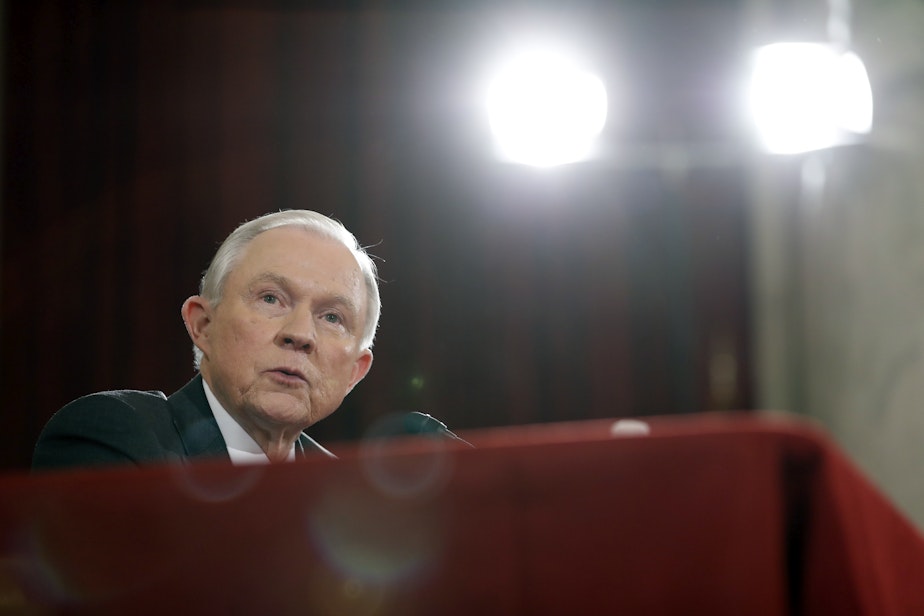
x=293 y=375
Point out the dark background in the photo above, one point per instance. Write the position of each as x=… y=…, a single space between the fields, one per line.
x=138 y=134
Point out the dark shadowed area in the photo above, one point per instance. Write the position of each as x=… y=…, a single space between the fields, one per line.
x=138 y=134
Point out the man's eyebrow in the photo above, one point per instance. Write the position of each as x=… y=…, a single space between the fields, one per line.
x=346 y=302
x=276 y=279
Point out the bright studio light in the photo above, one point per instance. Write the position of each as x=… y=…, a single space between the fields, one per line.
x=544 y=109
x=807 y=96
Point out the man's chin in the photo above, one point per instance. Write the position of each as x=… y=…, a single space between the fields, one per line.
x=283 y=408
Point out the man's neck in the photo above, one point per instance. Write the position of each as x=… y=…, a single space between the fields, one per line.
x=249 y=440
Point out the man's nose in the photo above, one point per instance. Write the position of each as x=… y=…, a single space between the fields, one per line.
x=298 y=331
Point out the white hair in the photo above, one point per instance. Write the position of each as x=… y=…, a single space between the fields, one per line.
x=229 y=253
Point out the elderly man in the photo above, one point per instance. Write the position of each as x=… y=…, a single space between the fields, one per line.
x=282 y=330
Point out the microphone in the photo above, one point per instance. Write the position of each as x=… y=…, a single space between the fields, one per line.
x=416 y=422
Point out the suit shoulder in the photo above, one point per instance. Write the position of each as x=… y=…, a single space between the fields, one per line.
x=110 y=409
x=119 y=398
x=105 y=427
x=126 y=395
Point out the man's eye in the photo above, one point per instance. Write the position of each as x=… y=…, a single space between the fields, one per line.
x=270 y=299
x=333 y=318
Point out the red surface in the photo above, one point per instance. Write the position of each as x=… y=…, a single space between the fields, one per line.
x=706 y=515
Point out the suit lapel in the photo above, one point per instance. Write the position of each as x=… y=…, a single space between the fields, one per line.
x=195 y=423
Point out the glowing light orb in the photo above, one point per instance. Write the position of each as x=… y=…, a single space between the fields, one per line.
x=544 y=109
x=807 y=96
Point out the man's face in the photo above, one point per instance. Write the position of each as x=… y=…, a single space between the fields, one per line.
x=281 y=349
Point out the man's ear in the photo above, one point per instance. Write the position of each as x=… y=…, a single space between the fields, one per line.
x=197 y=315
x=360 y=368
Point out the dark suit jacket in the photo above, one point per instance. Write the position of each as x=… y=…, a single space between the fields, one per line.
x=137 y=427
